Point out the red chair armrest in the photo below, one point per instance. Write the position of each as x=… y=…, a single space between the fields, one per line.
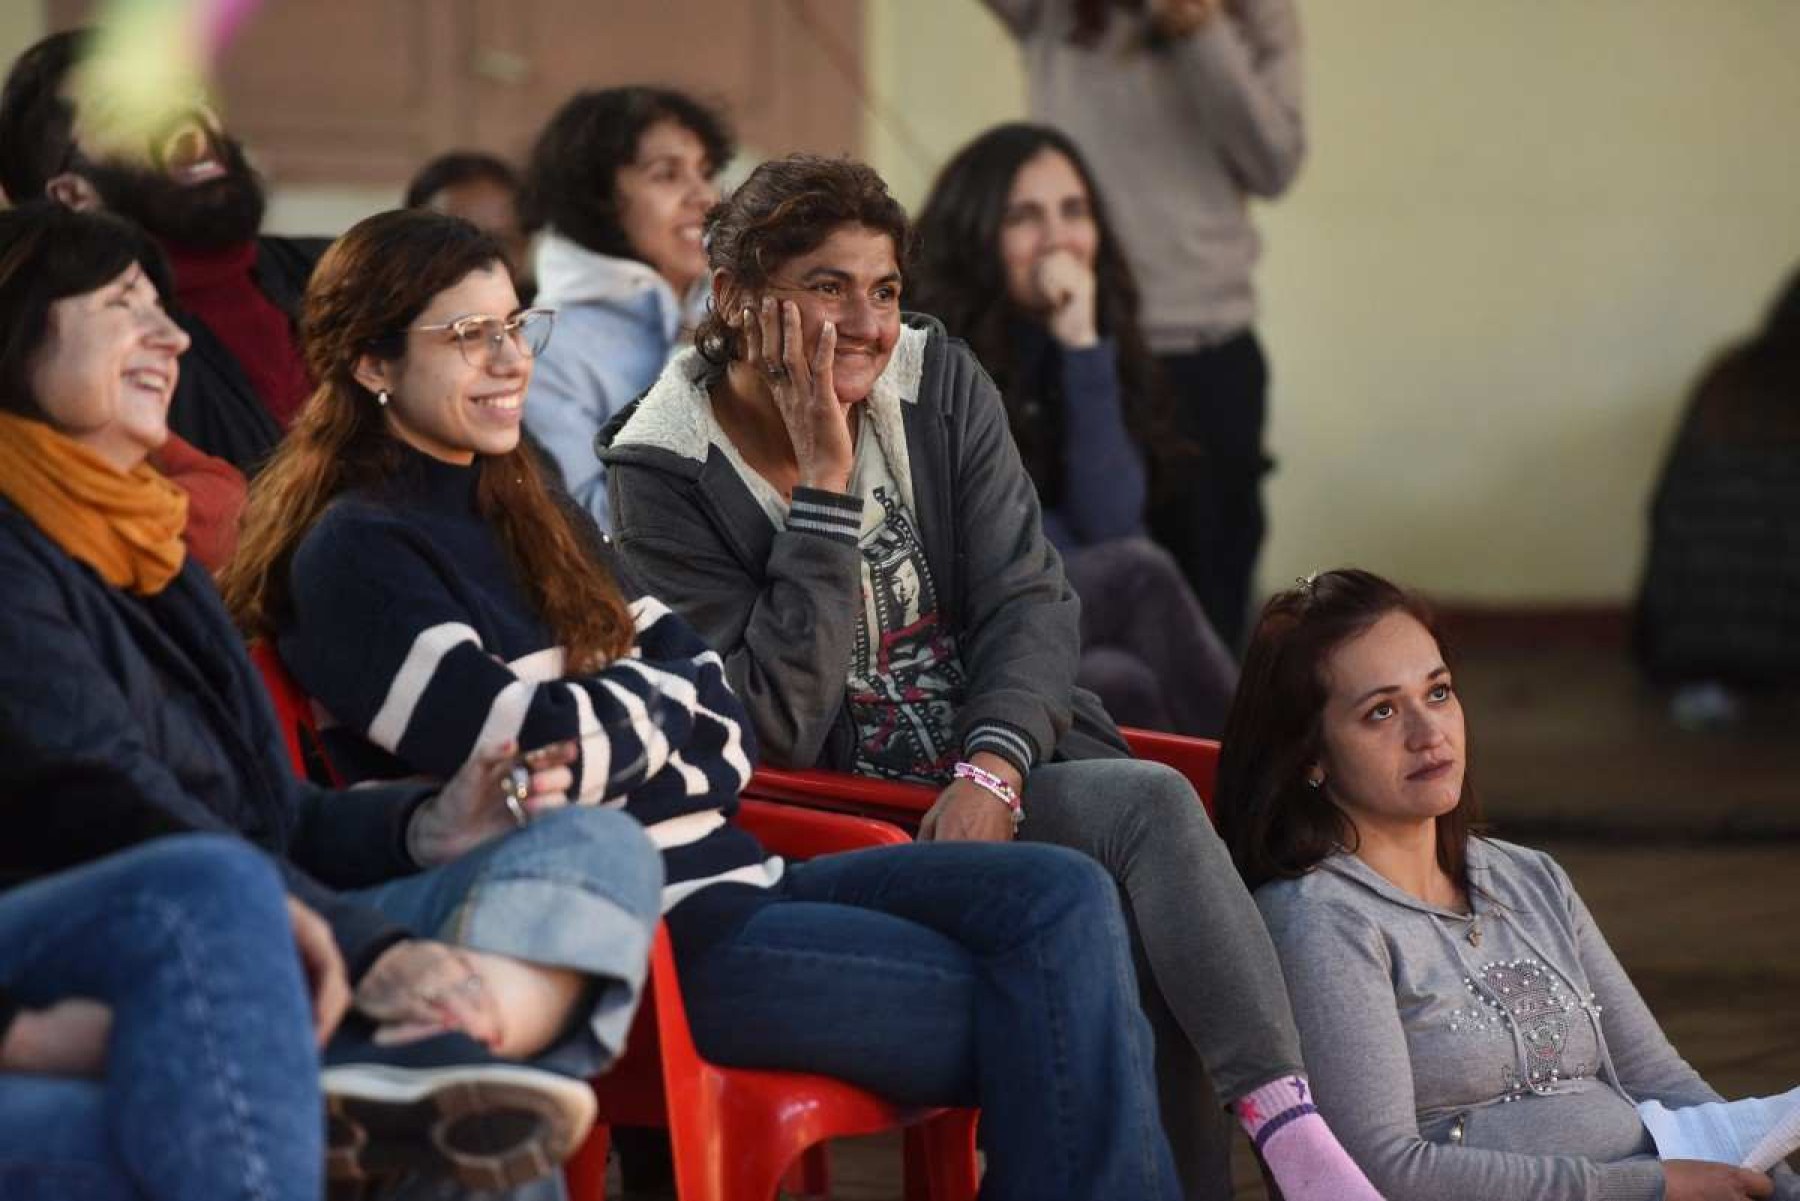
x=902 y=803
x=905 y=804
x=805 y=833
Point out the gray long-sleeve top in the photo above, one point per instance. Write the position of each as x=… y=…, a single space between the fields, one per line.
x=1179 y=134
x=1494 y=1070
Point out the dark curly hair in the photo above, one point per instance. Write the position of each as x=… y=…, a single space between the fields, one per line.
x=1275 y=824
x=788 y=207
x=571 y=180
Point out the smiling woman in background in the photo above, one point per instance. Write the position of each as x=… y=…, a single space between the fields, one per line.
x=620 y=181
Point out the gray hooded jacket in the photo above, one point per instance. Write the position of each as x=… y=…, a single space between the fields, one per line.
x=780 y=604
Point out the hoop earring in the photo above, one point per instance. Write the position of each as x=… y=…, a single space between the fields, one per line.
x=381 y=398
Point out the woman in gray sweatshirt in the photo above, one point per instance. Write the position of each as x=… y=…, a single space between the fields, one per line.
x=1469 y=1031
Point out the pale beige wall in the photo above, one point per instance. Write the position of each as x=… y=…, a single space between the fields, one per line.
x=1524 y=225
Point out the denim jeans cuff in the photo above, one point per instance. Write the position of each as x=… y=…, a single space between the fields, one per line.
x=556 y=925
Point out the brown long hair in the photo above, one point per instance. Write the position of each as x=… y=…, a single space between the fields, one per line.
x=1275 y=824
x=371 y=285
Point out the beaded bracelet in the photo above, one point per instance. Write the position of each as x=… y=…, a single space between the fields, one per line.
x=994 y=786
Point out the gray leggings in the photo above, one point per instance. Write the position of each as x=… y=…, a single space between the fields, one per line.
x=1207 y=973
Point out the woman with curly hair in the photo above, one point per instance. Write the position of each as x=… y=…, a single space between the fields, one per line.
x=619 y=184
x=829 y=492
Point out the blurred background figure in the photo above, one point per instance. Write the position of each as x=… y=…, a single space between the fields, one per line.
x=618 y=184
x=483 y=190
x=1719 y=609
x=1185 y=109
x=190 y=188
x=1017 y=257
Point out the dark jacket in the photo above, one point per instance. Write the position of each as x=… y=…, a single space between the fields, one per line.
x=780 y=605
x=1068 y=420
x=214 y=406
x=1720 y=597
x=123 y=718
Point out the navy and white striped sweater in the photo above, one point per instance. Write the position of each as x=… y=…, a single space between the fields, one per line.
x=412 y=634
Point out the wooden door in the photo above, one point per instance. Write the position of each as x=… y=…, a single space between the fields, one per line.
x=363 y=91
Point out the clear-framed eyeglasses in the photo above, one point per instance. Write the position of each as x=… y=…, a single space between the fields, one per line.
x=479 y=338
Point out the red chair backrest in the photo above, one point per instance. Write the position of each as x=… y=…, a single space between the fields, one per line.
x=1195 y=758
x=293 y=711
x=294 y=714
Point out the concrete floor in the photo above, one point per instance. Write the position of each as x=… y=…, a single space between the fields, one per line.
x=1686 y=847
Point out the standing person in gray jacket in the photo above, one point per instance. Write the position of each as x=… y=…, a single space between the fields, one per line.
x=831 y=496
x=1186 y=109
x=1470 y=1033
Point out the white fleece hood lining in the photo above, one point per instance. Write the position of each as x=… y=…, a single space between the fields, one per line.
x=676 y=414
x=571 y=274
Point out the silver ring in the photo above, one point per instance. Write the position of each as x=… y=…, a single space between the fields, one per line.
x=513 y=791
x=775 y=374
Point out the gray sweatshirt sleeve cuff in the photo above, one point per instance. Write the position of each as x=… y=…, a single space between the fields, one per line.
x=833 y=515
x=1004 y=741
x=1631 y=1180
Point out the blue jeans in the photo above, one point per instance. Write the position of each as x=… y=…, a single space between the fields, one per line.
x=579 y=888
x=212 y=1079
x=954 y=974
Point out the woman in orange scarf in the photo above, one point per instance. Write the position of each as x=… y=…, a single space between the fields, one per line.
x=129 y=711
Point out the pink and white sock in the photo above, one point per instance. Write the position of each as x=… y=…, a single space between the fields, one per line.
x=1307 y=1161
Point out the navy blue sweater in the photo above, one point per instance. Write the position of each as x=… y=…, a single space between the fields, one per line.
x=1068 y=419
x=412 y=632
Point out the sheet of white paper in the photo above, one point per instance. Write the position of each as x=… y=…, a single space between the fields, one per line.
x=1756 y=1132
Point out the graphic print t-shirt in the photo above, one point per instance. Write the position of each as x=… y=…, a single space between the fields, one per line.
x=906 y=681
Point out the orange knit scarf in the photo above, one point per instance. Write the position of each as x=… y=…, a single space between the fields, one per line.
x=126 y=526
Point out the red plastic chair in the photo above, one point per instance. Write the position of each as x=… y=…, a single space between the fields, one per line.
x=736 y=1133
x=293 y=713
x=905 y=804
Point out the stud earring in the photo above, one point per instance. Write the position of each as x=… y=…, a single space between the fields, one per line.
x=1315 y=782
x=381 y=398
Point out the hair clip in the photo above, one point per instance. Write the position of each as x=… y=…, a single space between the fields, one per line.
x=1307 y=583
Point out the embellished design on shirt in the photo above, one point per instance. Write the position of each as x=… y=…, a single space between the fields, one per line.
x=905 y=678
x=1524 y=997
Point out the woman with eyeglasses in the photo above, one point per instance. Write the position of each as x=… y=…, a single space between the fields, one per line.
x=432 y=594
